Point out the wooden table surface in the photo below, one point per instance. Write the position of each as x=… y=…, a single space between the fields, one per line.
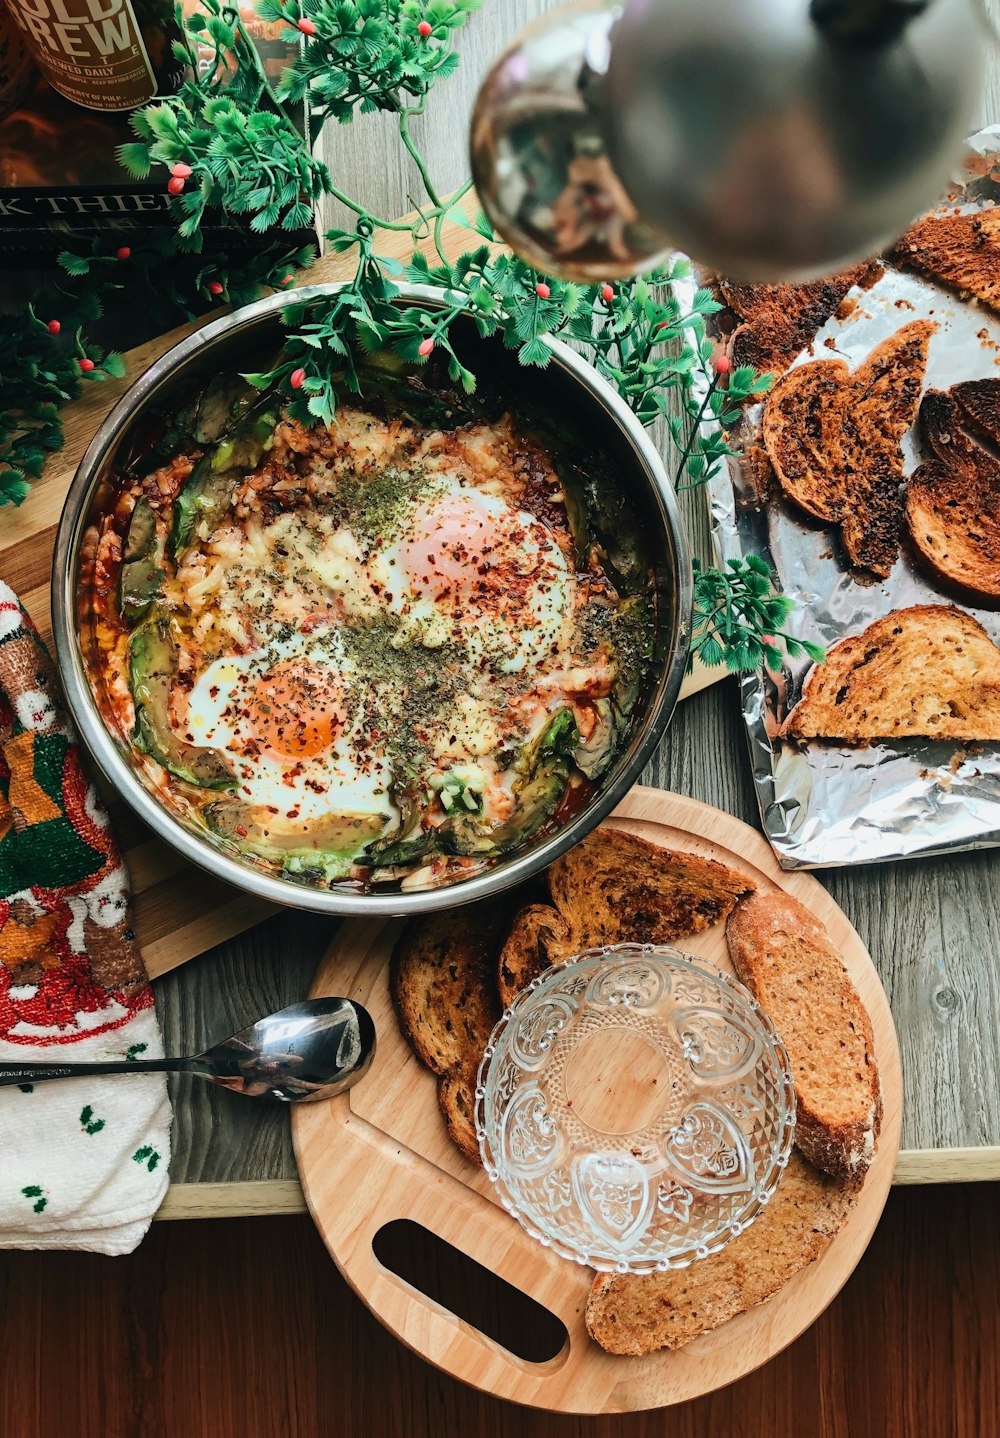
x=932 y=925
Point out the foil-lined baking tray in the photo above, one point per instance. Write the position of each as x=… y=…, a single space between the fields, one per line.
x=825 y=804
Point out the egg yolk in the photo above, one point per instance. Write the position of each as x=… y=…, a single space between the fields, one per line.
x=456 y=548
x=296 y=709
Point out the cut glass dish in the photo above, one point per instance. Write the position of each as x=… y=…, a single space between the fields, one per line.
x=635 y=1108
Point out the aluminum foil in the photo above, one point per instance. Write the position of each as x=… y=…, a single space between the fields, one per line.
x=826 y=804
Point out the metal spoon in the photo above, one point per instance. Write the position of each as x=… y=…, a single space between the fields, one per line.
x=307 y=1052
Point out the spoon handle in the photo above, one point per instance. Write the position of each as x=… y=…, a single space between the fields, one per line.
x=39 y=1073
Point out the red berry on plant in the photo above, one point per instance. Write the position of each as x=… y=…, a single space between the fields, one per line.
x=296 y=378
x=175 y=186
x=607 y=294
x=123 y=252
x=306 y=26
x=723 y=364
x=425 y=28
x=53 y=327
x=425 y=347
x=215 y=288
x=86 y=364
x=542 y=290
x=180 y=171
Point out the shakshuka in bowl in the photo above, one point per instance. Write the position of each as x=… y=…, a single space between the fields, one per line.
x=388 y=665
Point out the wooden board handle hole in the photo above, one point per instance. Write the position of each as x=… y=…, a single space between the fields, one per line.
x=471 y=1292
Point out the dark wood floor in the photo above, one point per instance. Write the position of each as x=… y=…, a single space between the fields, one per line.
x=245 y=1330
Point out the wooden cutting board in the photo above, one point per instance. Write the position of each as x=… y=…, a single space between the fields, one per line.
x=380 y=1153
x=180 y=911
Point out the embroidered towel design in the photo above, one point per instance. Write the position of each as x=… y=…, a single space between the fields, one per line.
x=83 y=1164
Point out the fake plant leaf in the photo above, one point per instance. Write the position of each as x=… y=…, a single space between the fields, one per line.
x=74 y=264
x=738 y=618
x=535 y=352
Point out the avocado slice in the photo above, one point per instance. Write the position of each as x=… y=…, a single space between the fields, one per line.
x=402 y=851
x=312 y=866
x=405 y=842
x=577 y=509
x=324 y=850
x=225 y=400
x=274 y=836
x=558 y=737
x=408 y=390
x=175 y=439
x=209 y=487
x=152 y=665
x=632 y=636
x=594 y=755
x=203 y=419
x=140 y=577
x=543 y=767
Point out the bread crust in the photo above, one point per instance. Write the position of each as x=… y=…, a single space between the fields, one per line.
x=641 y=1313
x=953 y=503
x=614 y=887
x=784 y=956
x=456 y=1093
x=929 y=671
x=539 y=938
x=780 y=321
x=962 y=251
x=834 y=438
x=979 y=400
x=442 y=978
x=798 y=434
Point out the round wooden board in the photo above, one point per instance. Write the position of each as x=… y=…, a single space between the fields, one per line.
x=380 y=1153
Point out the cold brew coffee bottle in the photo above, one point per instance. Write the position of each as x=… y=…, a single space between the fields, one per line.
x=103 y=54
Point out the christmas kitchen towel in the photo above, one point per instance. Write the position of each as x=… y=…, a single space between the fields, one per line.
x=83 y=1162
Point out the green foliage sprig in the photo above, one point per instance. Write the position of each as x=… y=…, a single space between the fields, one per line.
x=707 y=444
x=242 y=156
x=38 y=376
x=231 y=151
x=365 y=55
x=738 y=619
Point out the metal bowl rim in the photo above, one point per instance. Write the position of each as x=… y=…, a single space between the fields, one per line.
x=283 y=892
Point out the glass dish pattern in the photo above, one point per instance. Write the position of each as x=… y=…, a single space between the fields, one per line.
x=635 y=1108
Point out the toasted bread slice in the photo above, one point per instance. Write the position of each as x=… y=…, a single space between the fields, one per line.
x=930 y=671
x=800 y=419
x=779 y=321
x=962 y=251
x=880 y=406
x=834 y=438
x=640 y=1313
x=615 y=888
x=953 y=503
x=979 y=400
x=457 y=1102
x=443 y=983
x=784 y=956
x=539 y=938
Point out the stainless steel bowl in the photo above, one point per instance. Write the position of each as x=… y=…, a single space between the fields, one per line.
x=574 y=390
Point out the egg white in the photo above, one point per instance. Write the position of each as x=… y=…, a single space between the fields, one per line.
x=508 y=638
x=347 y=779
